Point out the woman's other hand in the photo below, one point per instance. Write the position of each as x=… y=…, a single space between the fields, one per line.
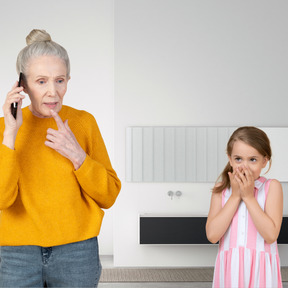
x=64 y=142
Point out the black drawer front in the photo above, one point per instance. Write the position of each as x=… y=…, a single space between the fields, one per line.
x=173 y=230
x=184 y=230
x=283 y=235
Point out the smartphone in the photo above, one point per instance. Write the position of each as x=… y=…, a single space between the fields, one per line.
x=15 y=104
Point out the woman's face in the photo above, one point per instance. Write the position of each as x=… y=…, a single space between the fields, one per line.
x=46 y=84
x=245 y=155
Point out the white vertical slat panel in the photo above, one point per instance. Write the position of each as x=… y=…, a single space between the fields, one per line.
x=191 y=154
x=158 y=154
x=201 y=158
x=212 y=154
x=169 y=154
x=148 y=154
x=230 y=132
x=137 y=152
x=176 y=154
x=223 y=136
x=278 y=140
x=180 y=154
x=128 y=155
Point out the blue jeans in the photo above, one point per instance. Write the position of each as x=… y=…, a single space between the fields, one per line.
x=71 y=265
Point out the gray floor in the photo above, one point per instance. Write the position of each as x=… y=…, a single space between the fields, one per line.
x=162 y=285
x=107 y=262
x=156 y=285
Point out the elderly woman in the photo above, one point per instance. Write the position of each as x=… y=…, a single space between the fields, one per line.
x=55 y=178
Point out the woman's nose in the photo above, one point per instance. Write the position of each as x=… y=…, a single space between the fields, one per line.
x=51 y=89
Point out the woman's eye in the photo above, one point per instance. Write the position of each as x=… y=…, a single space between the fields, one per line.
x=253 y=160
x=41 y=81
x=60 y=81
x=237 y=159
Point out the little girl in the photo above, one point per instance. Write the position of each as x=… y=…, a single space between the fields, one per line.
x=245 y=215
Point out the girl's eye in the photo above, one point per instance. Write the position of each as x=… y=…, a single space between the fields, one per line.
x=237 y=159
x=253 y=160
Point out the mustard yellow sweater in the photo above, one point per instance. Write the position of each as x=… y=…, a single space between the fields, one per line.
x=43 y=200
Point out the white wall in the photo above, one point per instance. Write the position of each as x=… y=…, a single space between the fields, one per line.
x=177 y=62
x=85 y=29
x=198 y=63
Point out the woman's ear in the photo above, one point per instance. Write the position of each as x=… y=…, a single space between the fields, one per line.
x=24 y=84
x=24 y=88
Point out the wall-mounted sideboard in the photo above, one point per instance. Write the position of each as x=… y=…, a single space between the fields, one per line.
x=156 y=229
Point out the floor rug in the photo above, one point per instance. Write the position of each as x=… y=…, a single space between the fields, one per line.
x=163 y=275
x=157 y=275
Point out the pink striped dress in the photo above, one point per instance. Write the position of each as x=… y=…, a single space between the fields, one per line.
x=244 y=258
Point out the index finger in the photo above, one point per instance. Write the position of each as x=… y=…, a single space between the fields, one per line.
x=246 y=168
x=248 y=172
x=15 y=88
x=58 y=120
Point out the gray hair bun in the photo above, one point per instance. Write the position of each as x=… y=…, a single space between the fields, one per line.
x=39 y=43
x=37 y=35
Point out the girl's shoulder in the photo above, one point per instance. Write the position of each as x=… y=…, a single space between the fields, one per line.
x=218 y=184
x=219 y=188
x=269 y=182
x=216 y=199
x=273 y=188
x=274 y=184
x=266 y=182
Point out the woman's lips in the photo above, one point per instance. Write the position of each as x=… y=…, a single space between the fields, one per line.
x=51 y=105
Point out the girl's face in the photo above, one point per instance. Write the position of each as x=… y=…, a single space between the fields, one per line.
x=46 y=84
x=245 y=155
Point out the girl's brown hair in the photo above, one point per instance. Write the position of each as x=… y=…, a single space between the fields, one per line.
x=252 y=136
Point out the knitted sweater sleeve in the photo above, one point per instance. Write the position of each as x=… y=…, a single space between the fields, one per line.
x=9 y=175
x=96 y=176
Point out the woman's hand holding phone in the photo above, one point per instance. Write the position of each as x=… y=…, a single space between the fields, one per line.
x=14 y=105
x=12 y=125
